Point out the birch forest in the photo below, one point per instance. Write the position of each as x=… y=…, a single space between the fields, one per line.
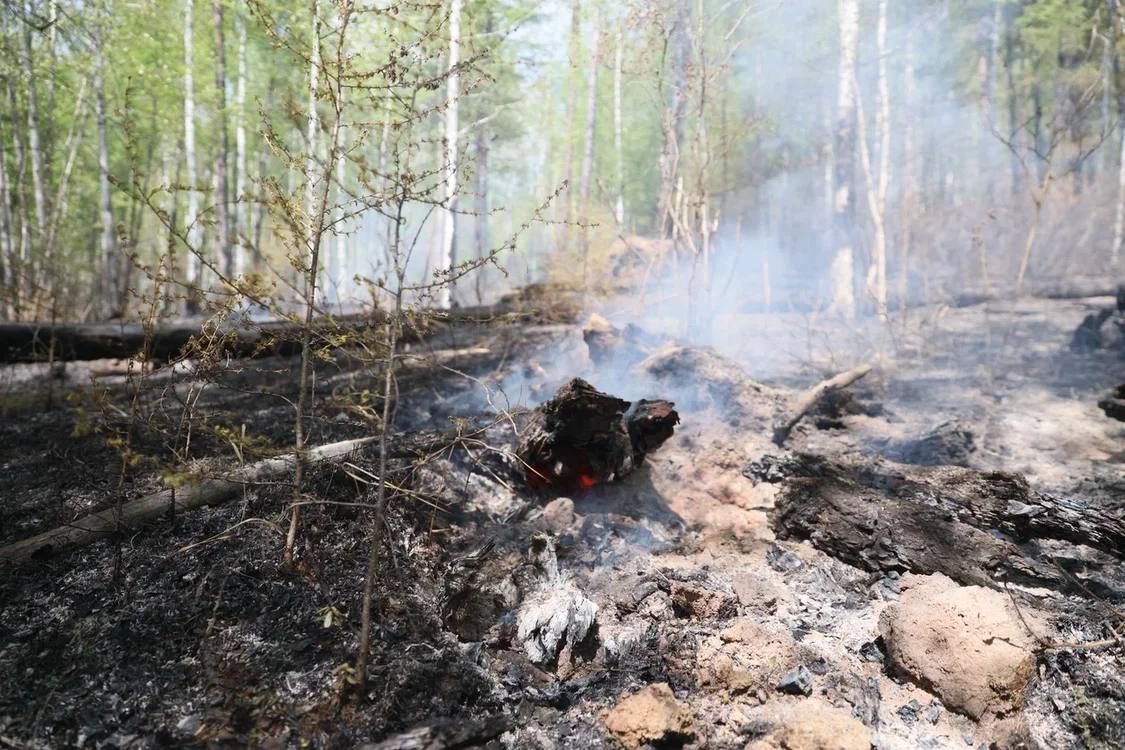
x=854 y=155
x=549 y=374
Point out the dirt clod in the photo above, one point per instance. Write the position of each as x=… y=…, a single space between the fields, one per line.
x=967 y=644
x=651 y=716
x=814 y=726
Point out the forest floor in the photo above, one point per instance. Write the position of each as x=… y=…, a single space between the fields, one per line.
x=182 y=635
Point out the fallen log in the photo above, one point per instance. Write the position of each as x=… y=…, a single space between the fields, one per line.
x=812 y=397
x=966 y=524
x=1078 y=288
x=38 y=342
x=143 y=510
x=583 y=437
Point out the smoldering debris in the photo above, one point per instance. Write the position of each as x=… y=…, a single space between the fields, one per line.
x=583 y=437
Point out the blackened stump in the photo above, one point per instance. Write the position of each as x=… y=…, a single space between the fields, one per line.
x=583 y=437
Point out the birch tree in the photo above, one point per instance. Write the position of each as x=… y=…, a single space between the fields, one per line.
x=843 y=263
x=34 y=143
x=222 y=199
x=1113 y=7
x=192 y=217
x=111 y=294
x=586 y=175
x=618 y=149
x=445 y=297
x=241 y=224
x=877 y=181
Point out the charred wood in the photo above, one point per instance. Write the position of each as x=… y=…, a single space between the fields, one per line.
x=966 y=524
x=583 y=437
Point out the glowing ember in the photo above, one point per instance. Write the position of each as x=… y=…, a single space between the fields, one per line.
x=585 y=481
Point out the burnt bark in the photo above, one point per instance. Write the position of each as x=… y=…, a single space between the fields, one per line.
x=583 y=437
x=978 y=528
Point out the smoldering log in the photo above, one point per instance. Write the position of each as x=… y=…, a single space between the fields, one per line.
x=966 y=524
x=39 y=342
x=812 y=397
x=141 y=511
x=583 y=437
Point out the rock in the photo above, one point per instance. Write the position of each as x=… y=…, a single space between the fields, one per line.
x=933 y=712
x=783 y=560
x=813 y=725
x=702 y=603
x=873 y=651
x=651 y=716
x=188 y=726
x=558 y=515
x=909 y=712
x=796 y=682
x=966 y=644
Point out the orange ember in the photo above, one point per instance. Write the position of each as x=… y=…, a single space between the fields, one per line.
x=585 y=481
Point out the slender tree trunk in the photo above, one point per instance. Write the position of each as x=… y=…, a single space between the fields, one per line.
x=909 y=173
x=341 y=274
x=35 y=147
x=312 y=244
x=571 y=124
x=618 y=150
x=222 y=182
x=672 y=119
x=9 y=296
x=883 y=126
x=1119 y=214
x=586 y=176
x=843 y=264
x=191 y=219
x=111 y=270
x=241 y=224
x=446 y=293
x=481 y=223
x=19 y=202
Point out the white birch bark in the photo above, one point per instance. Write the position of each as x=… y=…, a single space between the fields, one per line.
x=34 y=144
x=883 y=126
x=618 y=150
x=586 y=175
x=222 y=181
x=241 y=220
x=111 y=293
x=446 y=297
x=1119 y=217
x=192 y=217
x=843 y=263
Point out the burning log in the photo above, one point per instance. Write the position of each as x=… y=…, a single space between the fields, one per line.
x=810 y=398
x=966 y=524
x=583 y=437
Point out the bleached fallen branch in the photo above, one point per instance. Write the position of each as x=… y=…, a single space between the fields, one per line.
x=143 y=510
x=813 y=396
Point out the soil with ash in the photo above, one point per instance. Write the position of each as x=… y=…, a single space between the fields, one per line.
x=709 y=631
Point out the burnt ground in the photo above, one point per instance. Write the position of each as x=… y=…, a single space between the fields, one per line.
x=192 y=632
